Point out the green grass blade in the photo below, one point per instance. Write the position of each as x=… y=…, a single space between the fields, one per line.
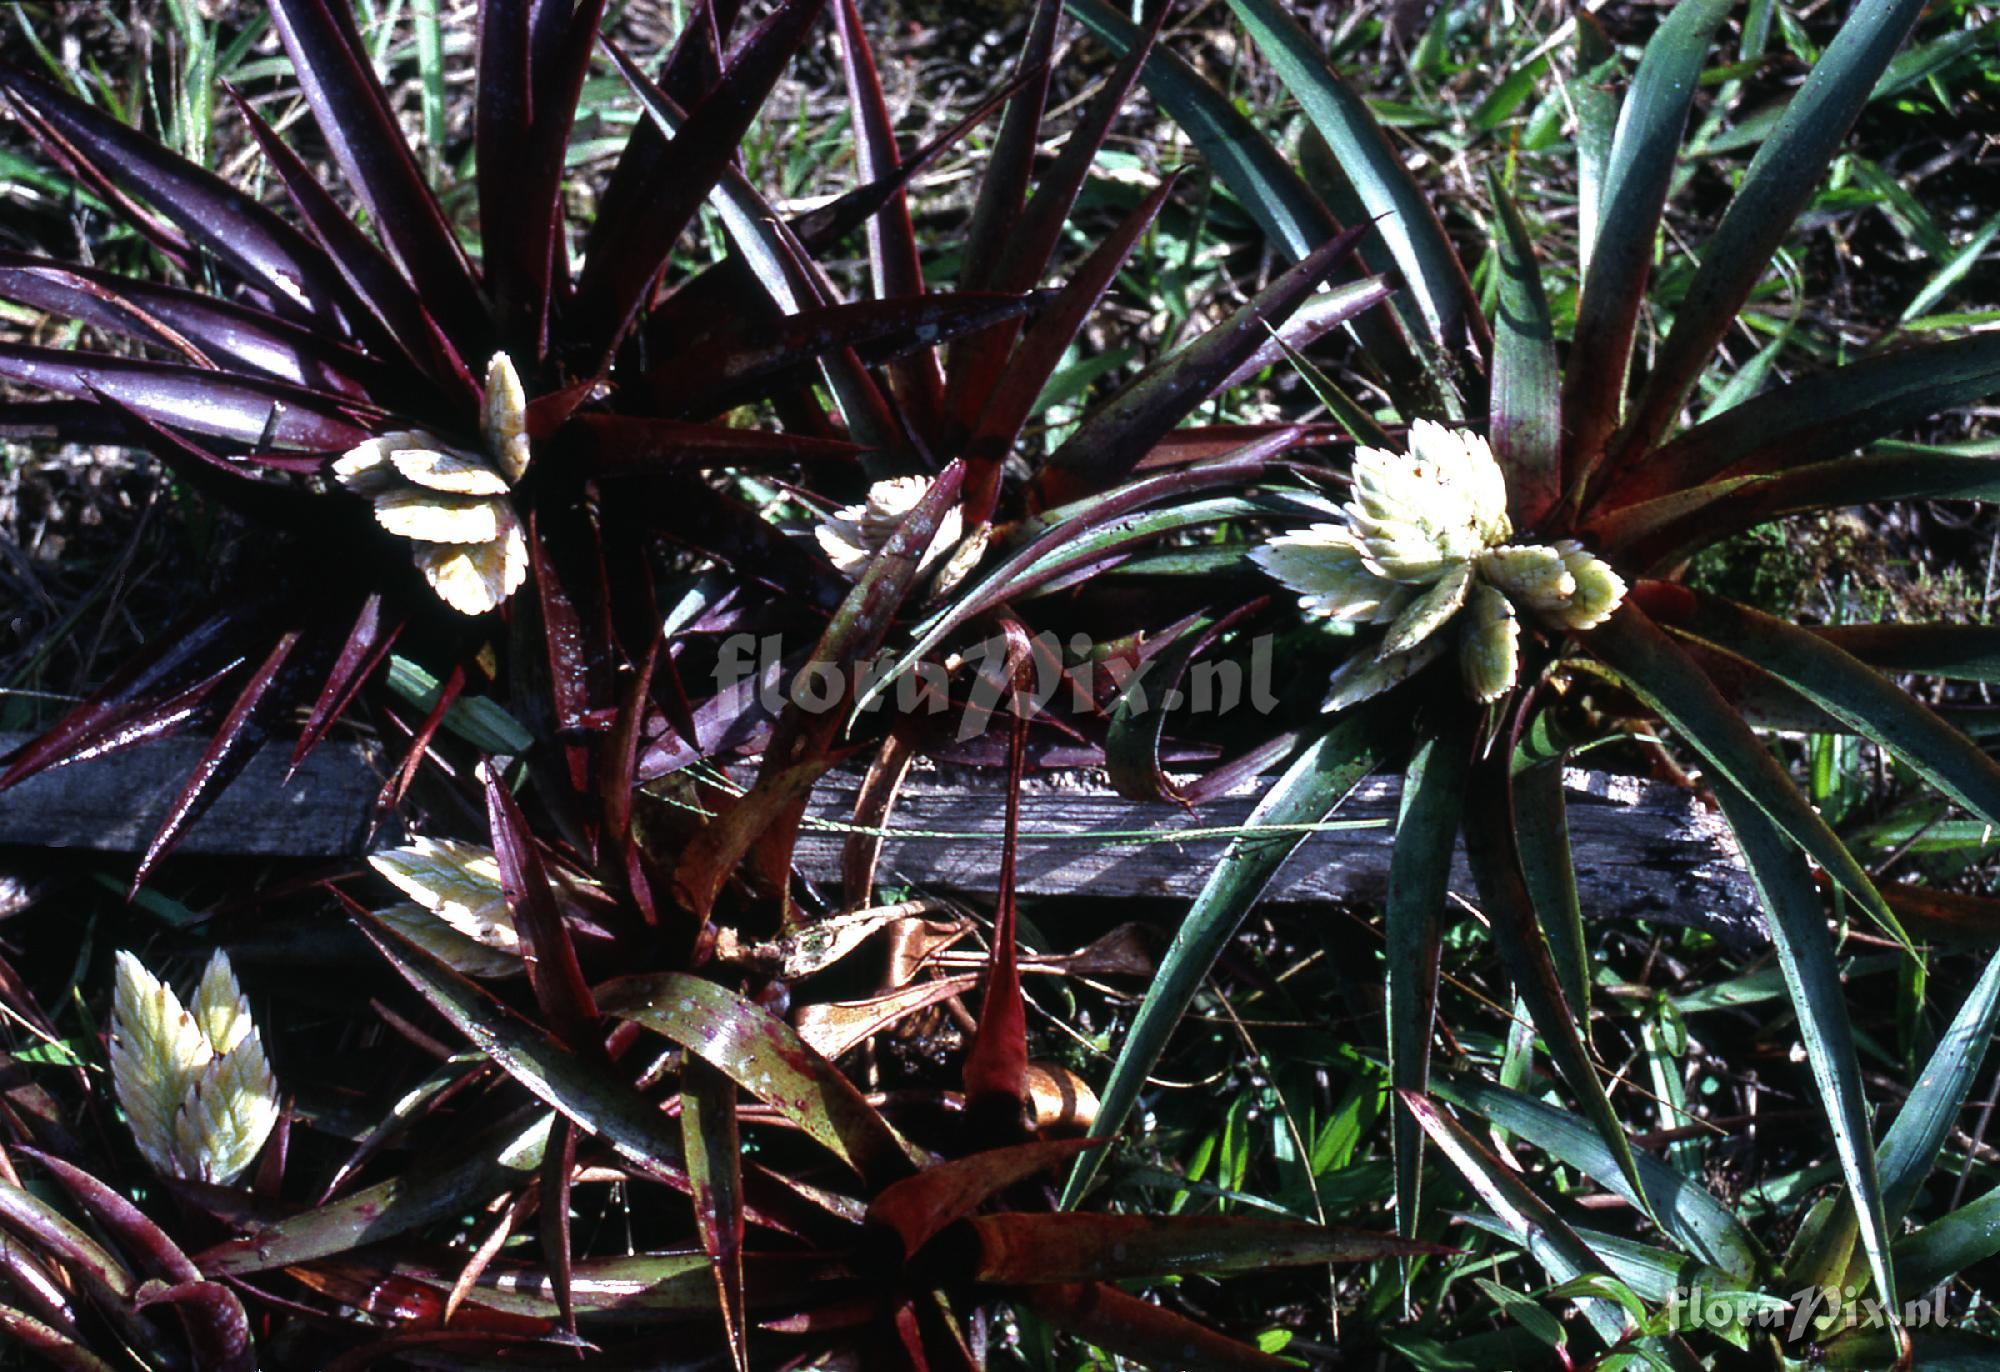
x=1947 y=1246
x=1403 y=216
x=1805 y=954
x=1306 y=793
x=1670 y=683
x=1774 y=189
x=1855 y=694
x=1413 y=928
x=1525 y=400
x=1637 y=175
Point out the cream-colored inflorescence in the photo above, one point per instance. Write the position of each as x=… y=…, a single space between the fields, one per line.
x=194 y=1083
x=456 y=909
x=1424 y=543
x=853 y=535
x=452 y=504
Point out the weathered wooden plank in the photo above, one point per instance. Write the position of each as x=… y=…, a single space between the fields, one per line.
x=115 y=803
x=1642 y=850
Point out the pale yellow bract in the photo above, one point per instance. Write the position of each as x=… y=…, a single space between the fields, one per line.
x=195 y=1085
x=1423 y=543
x=852 y=535
x=451 y=504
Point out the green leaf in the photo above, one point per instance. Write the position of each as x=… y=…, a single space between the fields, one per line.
x=1855 y=694
x=1413 y=924
x=1704 y=1225
x=1774 y=189
x=1526 y=393
x=1536 y=1227
x=1947 y=1246
x=1401 y=213
x=1799 y=935
x=1819 y=417
x=1911 y=1146
x=1541 y=830
x=1306 y=793
x=1661 y=674
x=715 y=1182
x=1957 y=652
x=1637 y=175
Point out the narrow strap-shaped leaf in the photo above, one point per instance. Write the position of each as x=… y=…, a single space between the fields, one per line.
x=1017 y=1249
x=1663 y=676
x=1852 y=692
x=1103 y=1316
x=1306 y=793
x=384 y=308
x=1538 y=1228
x=1400 y=211
x=546 y=946
x=236 y=740
x=243 y=409
x=1003 y=185
x=202 y=327
x=354 y=117
x=1427 y=825
x=1958 y=652
x=715 y=1171
x=1596 y=126
x=1949 y=1244
x=1819 y=417
x=1695 y=1218
x=1503 y=891
x=624 y=265
x=918 y=1208
x=1525 y=400
x=1637 y=174
x=893 y=258
x=766 y=1057
x=268 y=252
x=1030 y=366
x=1115 y=435
x=52 y=1344
x=996 y=1059
x=586 y=1092
x=1541 y=829
x=367 y=643
x=1777 y=185
x=1912 y=1143
x=1812 y=976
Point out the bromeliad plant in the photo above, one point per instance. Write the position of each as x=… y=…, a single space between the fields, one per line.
x=1545 y=555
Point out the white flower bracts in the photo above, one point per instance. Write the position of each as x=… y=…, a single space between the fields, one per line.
x=194 y=1083
x=852 y=535
x=1424 y=543
x=451 y=504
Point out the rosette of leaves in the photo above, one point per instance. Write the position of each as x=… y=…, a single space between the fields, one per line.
x=1607 y=482
x=364 y=377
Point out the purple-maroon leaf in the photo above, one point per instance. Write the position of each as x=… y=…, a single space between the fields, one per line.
x=1009 y=402
x=142 y=698
x=205 y=330
x=584 y=1091
x=228 y=480
x=546 y=946
x=1110 y=442
x=52 y=1345
x=714 y=1157
x=612 y=446
x=202 y=401
x=801 y=746
x=240 y=734
x=1003 y=188
x=919 y=1208
x=629 y=256
x=368 y=642
x=1133 y=764
x=386 y=309
x=354 y=117
x=1016 y=1249
x=125 y=1222
x=558 y=1166
x=996 y=1060
x=978 y=363
x=621 y=749
x=224 y=1343
x=893 y=259
x=269 y=253
x=766 y=1057
x=724 y=365
x=1105 y=1317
